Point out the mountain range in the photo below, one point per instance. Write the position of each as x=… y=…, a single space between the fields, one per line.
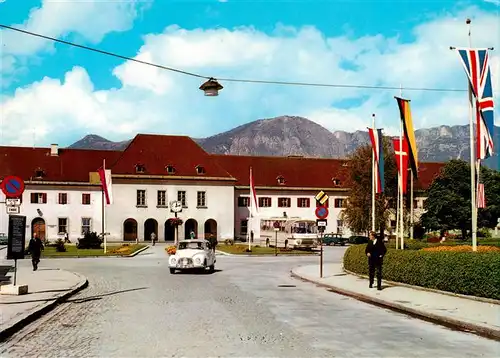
x=292 y=135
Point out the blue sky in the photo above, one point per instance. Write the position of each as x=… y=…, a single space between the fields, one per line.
x=63 y=93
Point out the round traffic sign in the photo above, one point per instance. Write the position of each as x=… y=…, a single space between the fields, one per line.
x=276 y=224
x=12 y=186
x=321 y=212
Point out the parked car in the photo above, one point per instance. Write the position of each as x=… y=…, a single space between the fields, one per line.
x=3 y=239
x=195 y=255
x=357 y=239
x=334 y=239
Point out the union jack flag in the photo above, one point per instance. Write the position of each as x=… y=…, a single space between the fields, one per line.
x=476 y=65
x=378 y=151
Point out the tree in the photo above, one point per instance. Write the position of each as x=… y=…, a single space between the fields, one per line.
x=357 y=212
x=448 y=204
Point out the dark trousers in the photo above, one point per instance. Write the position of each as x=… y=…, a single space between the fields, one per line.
x=375 y=264
x=35 y=260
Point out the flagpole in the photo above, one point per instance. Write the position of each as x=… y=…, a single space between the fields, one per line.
x=251 y=209
x=401 y=226
x=373 y=176
x=411 y=204
x=472 y=155
x=103 y=205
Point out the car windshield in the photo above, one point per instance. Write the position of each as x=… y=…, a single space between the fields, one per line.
x=191 y=245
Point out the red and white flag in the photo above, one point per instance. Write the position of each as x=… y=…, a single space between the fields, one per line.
x=254 y=208
x=481 y=197
x=105 y=176
x=401 y=150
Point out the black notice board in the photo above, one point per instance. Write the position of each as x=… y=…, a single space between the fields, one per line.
x=16 y=237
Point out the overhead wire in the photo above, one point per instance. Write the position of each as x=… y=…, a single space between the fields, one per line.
x=223 y=79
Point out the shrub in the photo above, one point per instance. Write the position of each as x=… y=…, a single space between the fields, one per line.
x=468 y=273
x=229 y=242
x=484 y=232
x=90 y=241
x=418 y=232
x=60 y=245
x=433 y=239
x=46 y=242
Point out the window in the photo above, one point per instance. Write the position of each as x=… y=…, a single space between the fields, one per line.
x=281 y=180
x=201 y=200
x=415 y=204
x=265 y=202
x=162 y=198
x=86 y=225
x=170 y=169
x=39 y=173
x=339 y=203
x=243 y=201
x=86 y=199
x=200 y=169
x=181 y=196
x=284 y=202
x=244 y=227
x=62 y=198
x=140 y=168
x=141 y=197
x=62 y=224
x=325 y=204
x=38 y=198
x=303 y=202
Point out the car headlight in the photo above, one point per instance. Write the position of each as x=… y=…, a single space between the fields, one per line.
x=172 y=260
x=197 y=260
x=298 y=242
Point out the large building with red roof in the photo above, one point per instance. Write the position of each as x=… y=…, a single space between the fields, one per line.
x=63 y=192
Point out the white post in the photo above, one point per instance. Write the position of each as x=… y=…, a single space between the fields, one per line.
x=401 y=226
x=472 y=159
x=103 y=208
x=374 y=183
x=250 y=225
x=411 y=205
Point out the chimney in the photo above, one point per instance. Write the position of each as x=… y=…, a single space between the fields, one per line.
x=54 y=150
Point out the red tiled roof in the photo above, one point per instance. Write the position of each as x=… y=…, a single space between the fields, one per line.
x=70 y=165
x=155 y=152
x=299 y=172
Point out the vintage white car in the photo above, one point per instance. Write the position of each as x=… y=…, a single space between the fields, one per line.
x=192 y=255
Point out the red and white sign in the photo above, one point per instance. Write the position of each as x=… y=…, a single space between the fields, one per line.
x=321 y=212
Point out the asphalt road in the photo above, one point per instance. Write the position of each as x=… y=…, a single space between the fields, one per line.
x=135 y=308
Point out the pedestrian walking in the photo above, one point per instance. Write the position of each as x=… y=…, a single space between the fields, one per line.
x=66 y=238
x=35 y=248
x=375 y=250
x=153 y=238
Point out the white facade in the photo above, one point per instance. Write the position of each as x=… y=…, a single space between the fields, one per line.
x=243 y=226
x=58 y=215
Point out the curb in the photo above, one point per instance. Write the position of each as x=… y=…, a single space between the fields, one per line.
x=137 y=252
x=44 y=309
x=452 y=323
x=472 y=298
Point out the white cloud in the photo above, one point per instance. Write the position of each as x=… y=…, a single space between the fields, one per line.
x=158 y=101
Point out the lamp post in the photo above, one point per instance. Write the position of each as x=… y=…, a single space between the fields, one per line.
x=211 y=87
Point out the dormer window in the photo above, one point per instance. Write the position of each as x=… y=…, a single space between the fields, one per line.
x=140 y=168
x=281 y=180
x=200 y=169
x=336 y=181
x=345 y=164
x=170 y=169
x=39 y=173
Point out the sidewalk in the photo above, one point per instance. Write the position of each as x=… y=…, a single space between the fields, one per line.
x=479 y=317
x=46 y=288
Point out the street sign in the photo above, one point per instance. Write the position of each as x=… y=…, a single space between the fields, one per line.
x=321 y=212
x=12 y=186
x=13 y=210
x=16 y=237
x=12 y=201
x=321 y=197
x=321 y=223
x=276 y=225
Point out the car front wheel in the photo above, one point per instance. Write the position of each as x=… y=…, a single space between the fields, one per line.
x=172 y=271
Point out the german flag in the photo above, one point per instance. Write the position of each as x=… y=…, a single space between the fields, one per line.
x=409 y=133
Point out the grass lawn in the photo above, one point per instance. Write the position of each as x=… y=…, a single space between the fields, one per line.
x=257 y=250
x=112 y=250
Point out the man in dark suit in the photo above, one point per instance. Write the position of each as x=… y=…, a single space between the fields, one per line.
x=375 y=250
x=35 y=248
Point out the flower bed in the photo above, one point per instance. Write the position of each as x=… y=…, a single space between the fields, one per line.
x=171 y=250
x=468 y=273
x=462 y=248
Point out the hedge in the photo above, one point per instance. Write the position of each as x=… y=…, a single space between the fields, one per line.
x=467 y=273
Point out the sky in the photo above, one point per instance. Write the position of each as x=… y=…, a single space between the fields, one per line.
x=55 y=93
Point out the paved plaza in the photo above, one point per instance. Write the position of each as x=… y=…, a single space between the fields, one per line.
x=250 y=307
